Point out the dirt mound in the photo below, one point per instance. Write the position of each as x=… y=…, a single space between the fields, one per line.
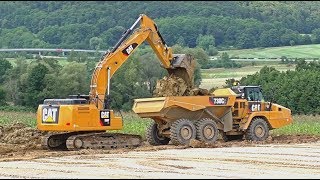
x=19 y=137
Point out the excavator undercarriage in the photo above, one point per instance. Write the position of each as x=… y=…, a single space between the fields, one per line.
x=90 y=140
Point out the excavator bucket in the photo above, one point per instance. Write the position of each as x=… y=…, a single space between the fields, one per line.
x=184 y=65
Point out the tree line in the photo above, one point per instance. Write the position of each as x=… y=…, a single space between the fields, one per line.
x=98 y=25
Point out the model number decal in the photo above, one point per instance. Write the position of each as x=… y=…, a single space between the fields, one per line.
x=218 y=100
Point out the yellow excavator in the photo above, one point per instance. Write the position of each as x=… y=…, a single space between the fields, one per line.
x=81 y=121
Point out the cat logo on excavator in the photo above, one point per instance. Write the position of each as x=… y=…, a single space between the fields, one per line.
x=50 y=114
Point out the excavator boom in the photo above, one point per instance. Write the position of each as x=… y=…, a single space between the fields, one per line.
x=181 y=65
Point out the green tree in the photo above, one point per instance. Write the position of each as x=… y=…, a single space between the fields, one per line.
x=212 y=51
x=204 y=41
x=72 y=56
x=181 y=41
x=315 y=37
x=34 y=85
x=95 y=43
x=73 y=79
x=2 y=97
x=4 y=67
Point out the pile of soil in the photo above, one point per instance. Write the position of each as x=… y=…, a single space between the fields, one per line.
x=19 y=137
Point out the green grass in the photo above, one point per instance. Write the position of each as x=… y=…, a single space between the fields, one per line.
x=302 y=125
x=133 y=124
x=10 y=117
x=301 y=51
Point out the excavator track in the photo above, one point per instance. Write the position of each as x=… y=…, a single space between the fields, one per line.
x=103 y=141
x=55 y=141
x=90 y=140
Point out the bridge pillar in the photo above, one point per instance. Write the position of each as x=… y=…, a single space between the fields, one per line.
x=39 y=53
x=63 y=53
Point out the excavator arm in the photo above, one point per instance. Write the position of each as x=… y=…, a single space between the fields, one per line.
x=112 y=61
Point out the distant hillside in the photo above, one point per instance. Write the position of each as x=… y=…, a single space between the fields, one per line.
x=302 y=51
x=99 y=24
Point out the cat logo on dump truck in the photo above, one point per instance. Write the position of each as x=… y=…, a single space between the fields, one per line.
x=50 y=114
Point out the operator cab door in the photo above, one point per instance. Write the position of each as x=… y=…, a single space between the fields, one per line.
x=255 y=99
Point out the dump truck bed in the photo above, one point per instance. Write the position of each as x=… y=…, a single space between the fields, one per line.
x=191 y=107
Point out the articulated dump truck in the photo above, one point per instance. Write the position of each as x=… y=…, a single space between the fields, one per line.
x=234 y=113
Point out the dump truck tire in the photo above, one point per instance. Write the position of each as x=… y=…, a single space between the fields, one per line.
x=153 y=137
x=207 y=130
x=182 y=131
x=258 y=130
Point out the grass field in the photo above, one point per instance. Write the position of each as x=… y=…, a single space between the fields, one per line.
x=301 y=51
x=11 y=117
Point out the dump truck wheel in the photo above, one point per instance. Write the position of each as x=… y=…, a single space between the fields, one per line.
x=258 y=130
x=207 y=130
x=182 y=131
x=153 y=136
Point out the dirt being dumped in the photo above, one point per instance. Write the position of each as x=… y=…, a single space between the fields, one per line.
x=173 y=85
x=180 y=81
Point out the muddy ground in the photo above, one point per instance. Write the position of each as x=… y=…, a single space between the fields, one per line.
x=261 y=161
x=19 y=142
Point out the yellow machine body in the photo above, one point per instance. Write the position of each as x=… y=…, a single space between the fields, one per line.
x=76 y=118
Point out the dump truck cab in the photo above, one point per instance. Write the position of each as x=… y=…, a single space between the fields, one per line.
x=249 y=99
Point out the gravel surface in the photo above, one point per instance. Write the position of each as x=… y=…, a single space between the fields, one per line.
x=294 y=160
